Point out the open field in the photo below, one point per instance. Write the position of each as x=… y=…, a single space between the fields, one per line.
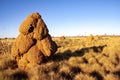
x=77 y=58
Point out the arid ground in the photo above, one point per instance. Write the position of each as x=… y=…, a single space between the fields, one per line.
x=77 y=58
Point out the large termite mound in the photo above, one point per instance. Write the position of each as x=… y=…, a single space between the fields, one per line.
x=34 y=42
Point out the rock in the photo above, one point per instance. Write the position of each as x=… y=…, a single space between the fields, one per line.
x=33 y=44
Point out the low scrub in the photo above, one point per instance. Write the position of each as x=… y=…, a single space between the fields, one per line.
x=76 y=59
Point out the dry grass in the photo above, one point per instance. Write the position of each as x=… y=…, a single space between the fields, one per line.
x=76 y=59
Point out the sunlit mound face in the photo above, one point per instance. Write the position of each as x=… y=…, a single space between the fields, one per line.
x=29 y=22
x=34 y=26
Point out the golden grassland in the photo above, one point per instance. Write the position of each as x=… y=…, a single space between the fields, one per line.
x=77 y=58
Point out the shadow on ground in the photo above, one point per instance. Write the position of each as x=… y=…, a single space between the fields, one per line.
x=67 y=54
x=74 y=70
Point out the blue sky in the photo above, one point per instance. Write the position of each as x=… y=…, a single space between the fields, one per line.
x=62 y=17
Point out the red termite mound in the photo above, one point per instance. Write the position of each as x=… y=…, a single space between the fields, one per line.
x=34 y=42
